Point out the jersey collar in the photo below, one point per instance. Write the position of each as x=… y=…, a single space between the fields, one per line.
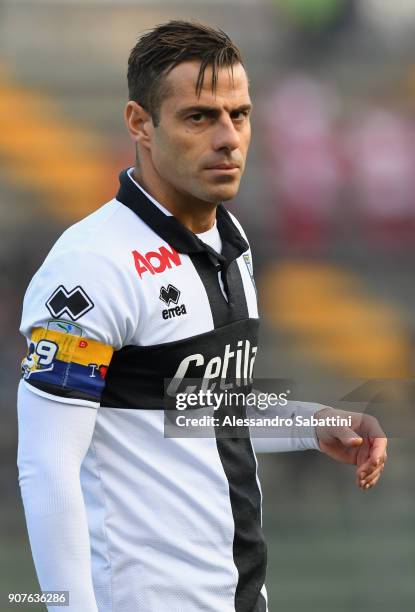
x=170 y=229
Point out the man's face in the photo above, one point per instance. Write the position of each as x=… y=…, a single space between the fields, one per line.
x=200 y=145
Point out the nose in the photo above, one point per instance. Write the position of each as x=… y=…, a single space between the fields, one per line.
x=226 y=135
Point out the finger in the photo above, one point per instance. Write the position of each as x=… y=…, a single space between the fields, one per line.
x=371 y=484
x=369 y=478
x=368 y=467
x=374 y=477
x=378 y=450
x=362 y=459
x=366 y=477
x=374 y=459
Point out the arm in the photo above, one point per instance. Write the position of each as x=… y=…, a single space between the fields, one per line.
x=64 y=377
x=53 y=438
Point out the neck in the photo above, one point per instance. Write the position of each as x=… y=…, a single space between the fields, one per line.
x=198 y=216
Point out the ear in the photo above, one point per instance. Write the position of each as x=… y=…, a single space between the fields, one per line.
x=139 y=123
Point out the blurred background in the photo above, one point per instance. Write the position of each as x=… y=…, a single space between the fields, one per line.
x=328 y=202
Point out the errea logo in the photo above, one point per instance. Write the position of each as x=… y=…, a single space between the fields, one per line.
x=169 y=296
x=73 y=303
x=156 y=262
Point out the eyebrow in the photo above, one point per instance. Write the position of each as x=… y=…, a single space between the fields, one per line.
x=200 y=108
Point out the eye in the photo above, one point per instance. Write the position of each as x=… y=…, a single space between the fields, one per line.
x=197 y=117
x=240 y=115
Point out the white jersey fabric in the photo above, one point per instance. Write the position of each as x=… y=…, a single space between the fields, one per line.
x=126 y=519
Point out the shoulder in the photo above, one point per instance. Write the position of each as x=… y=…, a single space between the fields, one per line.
x=103 y=232
x=89 y=271
x=99 y=244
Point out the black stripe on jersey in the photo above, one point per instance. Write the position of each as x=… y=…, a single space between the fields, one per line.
x=261 y=605
x=249 y=548
x=223 y=311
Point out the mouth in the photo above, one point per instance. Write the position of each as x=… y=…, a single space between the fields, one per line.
x=224 y=167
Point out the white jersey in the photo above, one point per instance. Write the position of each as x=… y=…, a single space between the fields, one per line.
x=127 y=299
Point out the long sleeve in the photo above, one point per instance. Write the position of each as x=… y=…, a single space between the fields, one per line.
x=78 y=309
x=285 y=437
x=53 y=438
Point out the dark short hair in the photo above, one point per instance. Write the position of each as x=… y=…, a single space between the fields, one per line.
x=161 y=49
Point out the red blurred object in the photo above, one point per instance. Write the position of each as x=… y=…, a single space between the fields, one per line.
x=304 y=162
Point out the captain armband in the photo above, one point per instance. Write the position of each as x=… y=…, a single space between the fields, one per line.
x=61 y=361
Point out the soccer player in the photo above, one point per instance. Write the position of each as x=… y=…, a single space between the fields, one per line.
x=156 y=285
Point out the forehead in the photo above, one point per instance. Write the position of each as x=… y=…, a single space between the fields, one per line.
x=230 y=88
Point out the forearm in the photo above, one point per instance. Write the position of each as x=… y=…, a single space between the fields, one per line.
x=61 y=553
x=53 y=440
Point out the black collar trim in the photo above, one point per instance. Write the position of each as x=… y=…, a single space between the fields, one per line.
x=175 y=233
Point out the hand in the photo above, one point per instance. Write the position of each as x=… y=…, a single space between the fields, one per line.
x=362 y=444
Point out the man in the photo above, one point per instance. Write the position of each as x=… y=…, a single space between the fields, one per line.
x=156 y=286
